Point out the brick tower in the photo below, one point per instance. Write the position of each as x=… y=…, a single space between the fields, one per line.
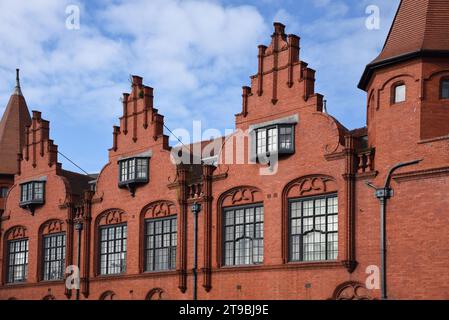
x=12 y=138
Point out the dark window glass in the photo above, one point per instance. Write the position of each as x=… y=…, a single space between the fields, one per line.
x=314 y=229
x=243 y=235
x=17 y=260
x=277 y=138
x=113 y=249
x=133 y=169
x=160 y=244
x=32 y=191
x=445 y=89
x=3 y=192
x=54 y=256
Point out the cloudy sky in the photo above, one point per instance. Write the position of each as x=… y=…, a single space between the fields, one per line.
x=195 y=53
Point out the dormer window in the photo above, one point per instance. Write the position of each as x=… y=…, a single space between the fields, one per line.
x=399 y=92
x=275 y=139
x=133 y=171
x=444 y=88
x=32 y=194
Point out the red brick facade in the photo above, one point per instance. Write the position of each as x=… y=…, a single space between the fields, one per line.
x=327 y=160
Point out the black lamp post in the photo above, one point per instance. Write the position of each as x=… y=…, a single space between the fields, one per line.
x=383 y=194
x=79 y=228
x=196 y=208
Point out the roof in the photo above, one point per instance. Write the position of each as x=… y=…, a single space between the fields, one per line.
x=420 y=28
x=12 y=130
x=78 y=182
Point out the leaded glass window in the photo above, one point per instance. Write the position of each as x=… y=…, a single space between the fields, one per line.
x=113 y=249
x=160 y=244
x=314 y=228
x=54 y=256
x=243 y=235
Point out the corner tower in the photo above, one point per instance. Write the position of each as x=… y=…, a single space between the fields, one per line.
x=407 y=85
x=12 y=138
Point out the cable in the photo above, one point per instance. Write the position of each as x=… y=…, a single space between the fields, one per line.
x=73 y=163
x=175 y=136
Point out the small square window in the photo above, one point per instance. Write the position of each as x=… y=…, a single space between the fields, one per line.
x=399 y=93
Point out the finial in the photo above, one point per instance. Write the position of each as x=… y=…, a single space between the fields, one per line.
x=17 y=90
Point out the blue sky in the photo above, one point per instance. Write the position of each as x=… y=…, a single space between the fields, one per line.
x=196 y=54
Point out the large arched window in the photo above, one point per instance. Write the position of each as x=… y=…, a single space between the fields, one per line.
x=444 y=88
x=53 y=250
x=160 y=236
x=112 y=242
x=314 y=228
x=242 y=226
x=311 y=219
x=17 y=248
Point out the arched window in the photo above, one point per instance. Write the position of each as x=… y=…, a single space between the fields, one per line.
x=311 y=219
x=444 y=88
x=242 y=223
x=314 y=228
x=112 y=241
x=160 y=236
x=17 y=246
x=53 y=244
x=398 y=92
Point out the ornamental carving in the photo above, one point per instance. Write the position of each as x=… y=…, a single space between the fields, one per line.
x=111 y=216
x=53 y=226
x=351 y=290
x=241 y=195
x=156 y=294
x=159 y=209
x=311 y=185
x=17 y=232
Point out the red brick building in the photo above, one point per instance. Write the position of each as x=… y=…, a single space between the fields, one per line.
x=303 y=226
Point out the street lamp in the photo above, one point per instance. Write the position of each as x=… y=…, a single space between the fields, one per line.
x=79 y=228
x=196 y=208
x=383 y=194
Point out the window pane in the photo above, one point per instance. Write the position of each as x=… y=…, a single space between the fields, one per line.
x=131 y=169
x=399 y=93
x=142 y=168
x=261 y=141
x=272 y=139
x=286 y=138
x=243 y=236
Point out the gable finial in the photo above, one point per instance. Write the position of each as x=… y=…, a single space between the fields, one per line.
x=17 y=90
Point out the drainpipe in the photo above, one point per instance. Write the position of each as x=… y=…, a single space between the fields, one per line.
x=383 y=194
x=196 y=208
x=79 y=228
